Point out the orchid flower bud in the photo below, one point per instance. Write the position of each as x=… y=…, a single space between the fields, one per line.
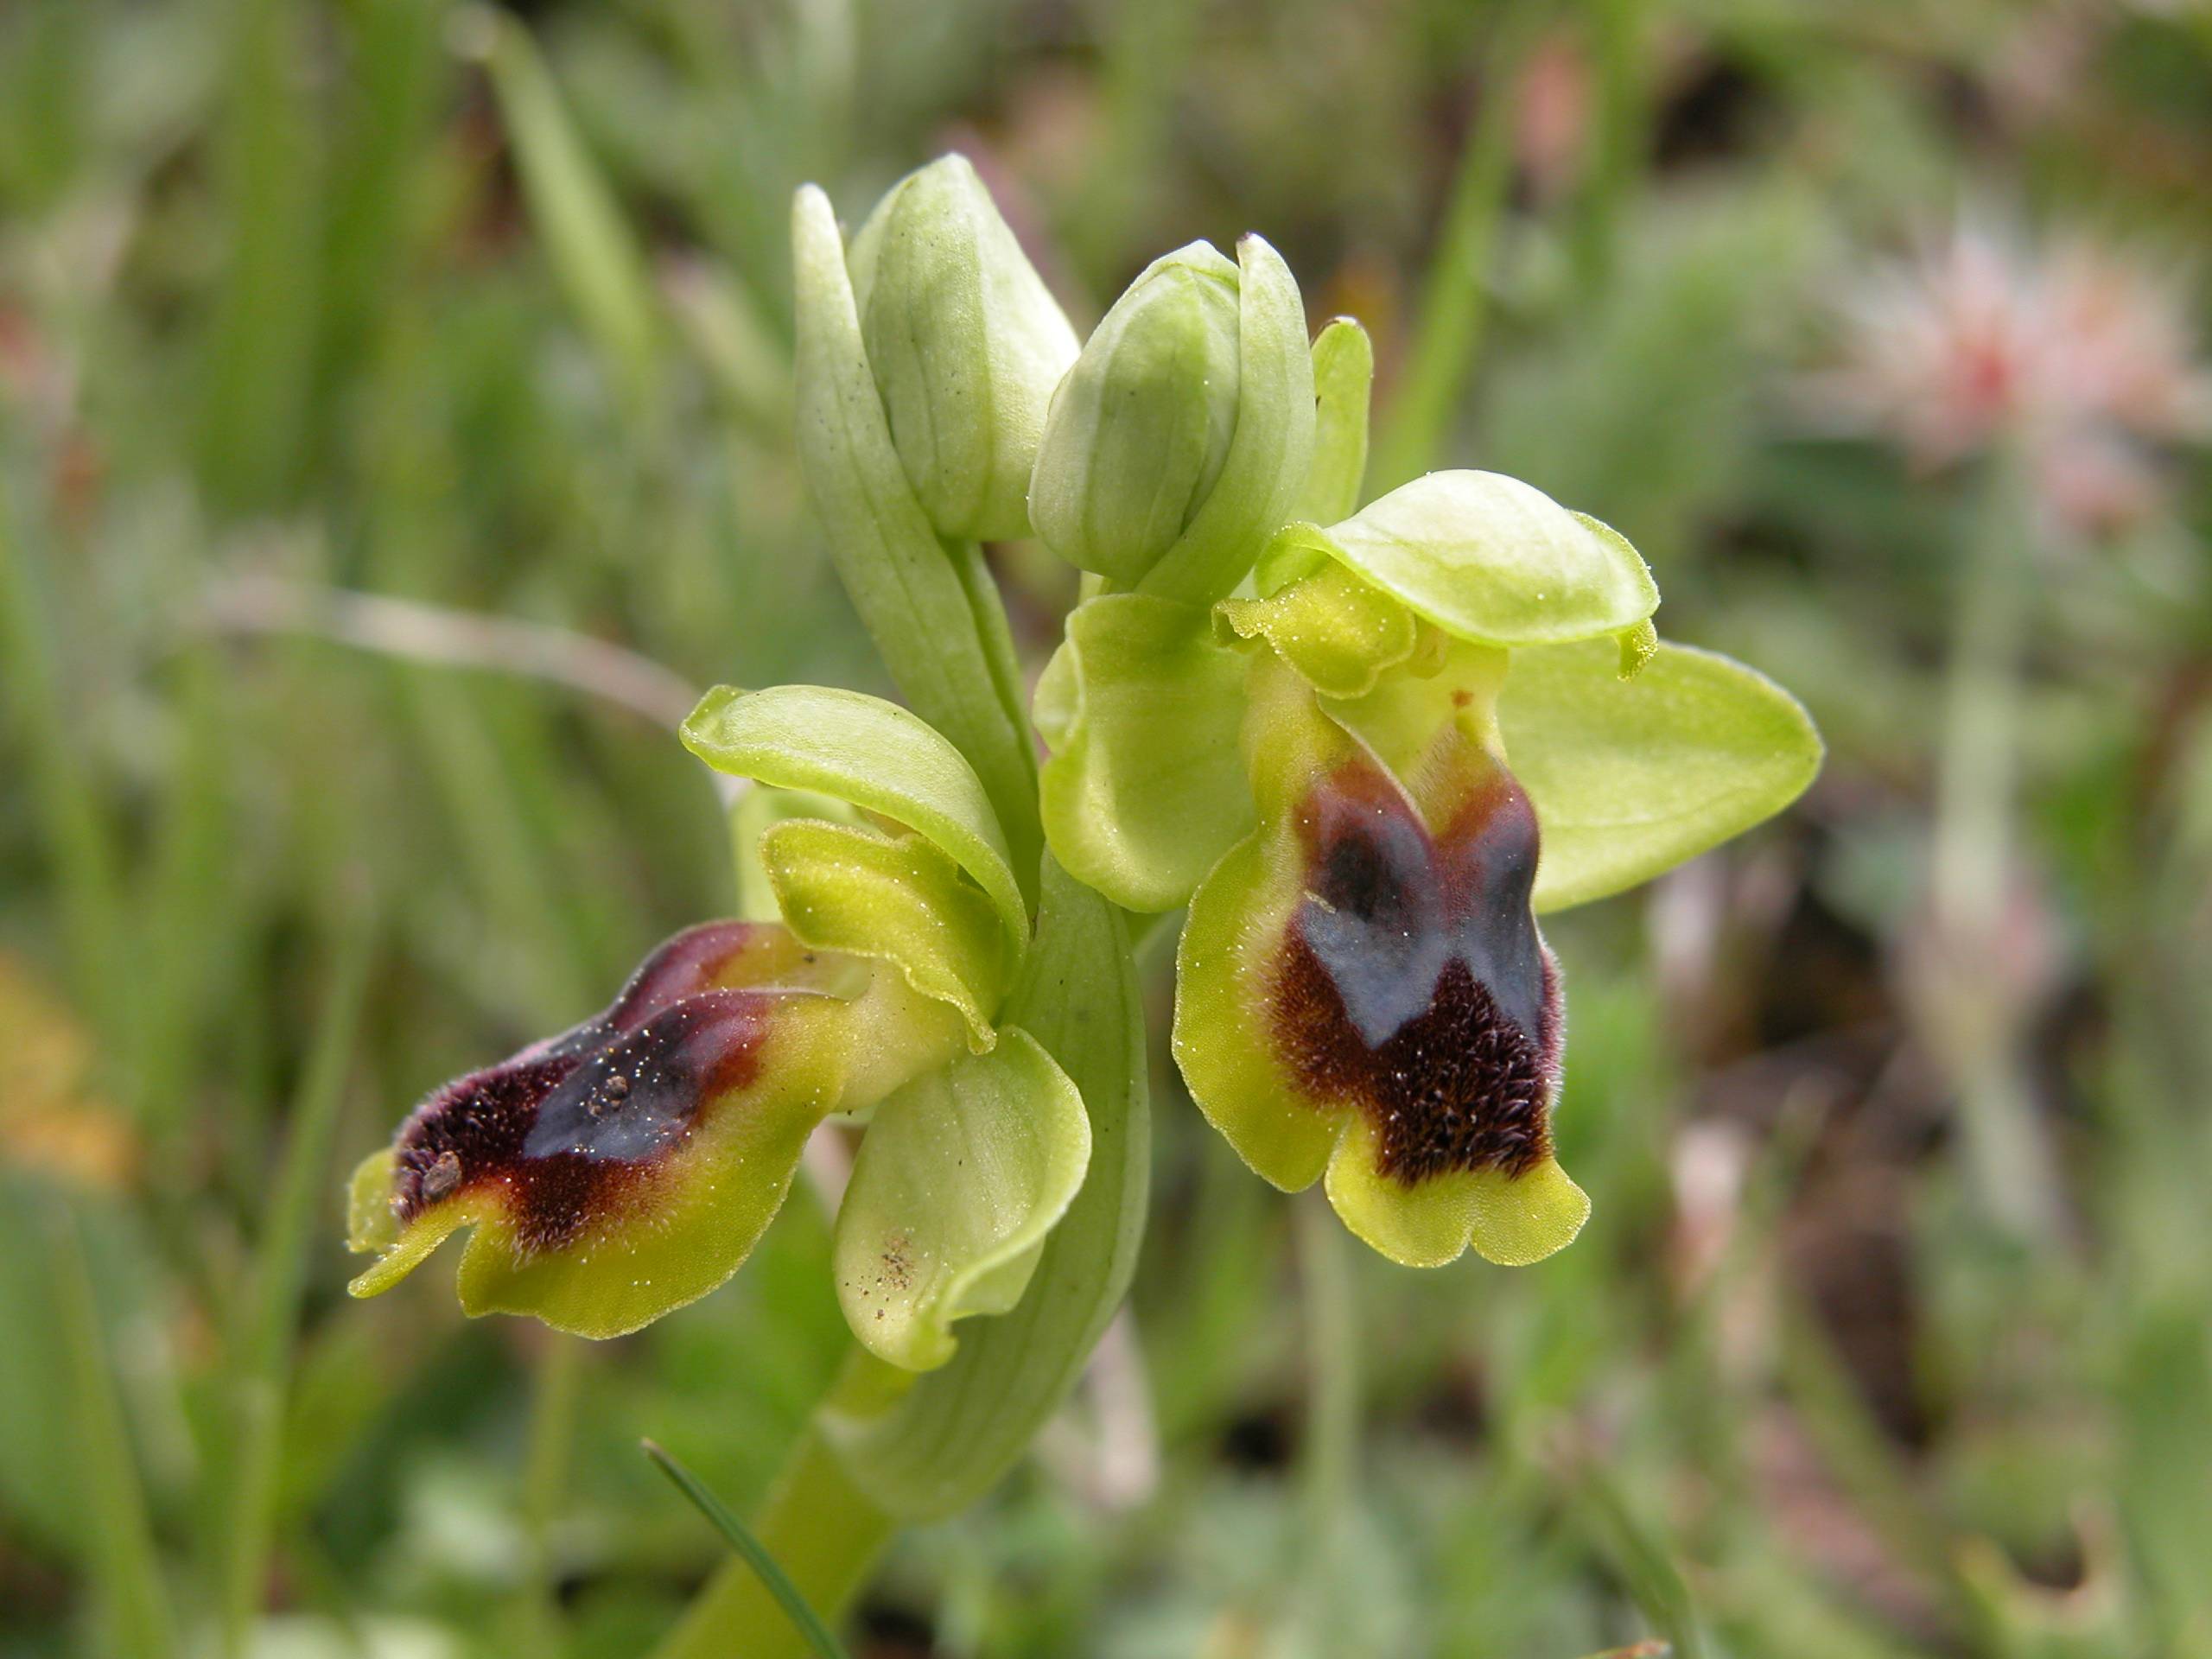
x=966 y=344
x=1178 y=441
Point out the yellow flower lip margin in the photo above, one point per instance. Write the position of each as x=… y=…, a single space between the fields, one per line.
x=1362 y=992
x=627 y=1165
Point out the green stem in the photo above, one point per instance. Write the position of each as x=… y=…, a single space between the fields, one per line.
x=1977 y=785
x=558 y=1383
x=1619 y=142
x=926 y=1446
x=1013 y=761
x=76 y=833
x=1329 y=1472
x=126 y=1566
x=265 y=1344
x=825 y=1534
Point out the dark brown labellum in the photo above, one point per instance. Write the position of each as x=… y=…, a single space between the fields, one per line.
x=572 y=1126
x=1414 y=984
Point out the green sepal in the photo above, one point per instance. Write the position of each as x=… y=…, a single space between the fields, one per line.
x=1141 y=707
x=962 y=1174
x=1273 y=445
x=931 y=1449
x=872 y=754
x=899 y=899
x=1631 y=779
x=1339 y=633
x=1490 y=559
x=1343 y=379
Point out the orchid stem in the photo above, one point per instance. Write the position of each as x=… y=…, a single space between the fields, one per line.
x=1331 y=1468
x=825 y=1534
x=557 y=1383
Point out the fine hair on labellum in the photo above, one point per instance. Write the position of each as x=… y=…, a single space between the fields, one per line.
x=571 y=1129
x=1412 y=983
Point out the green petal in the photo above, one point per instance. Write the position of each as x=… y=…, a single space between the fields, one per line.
x=1631 y=777
x=1273 y=445
x=757 y=811
x=963 y=1174
x=1488 y=558
x=874 y=754
x=1339 y=633
x=1510 y=1220
x=1142 y=709
x=1343 y=376
x=897 y=899
x=950 y=1436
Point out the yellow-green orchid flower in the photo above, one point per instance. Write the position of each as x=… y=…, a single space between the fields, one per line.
x=628 y=1165
x=1411 y=732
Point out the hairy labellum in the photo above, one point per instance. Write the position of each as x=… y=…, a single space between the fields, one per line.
x=1413 y=985
x=626 y=1166
x=566 y=1126
x=568 y=1129
x=1363 y=994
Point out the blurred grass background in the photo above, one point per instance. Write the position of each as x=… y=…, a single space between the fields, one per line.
x=1890 y=1336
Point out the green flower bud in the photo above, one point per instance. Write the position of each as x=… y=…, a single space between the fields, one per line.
x=1177 y=442
x=966 y=346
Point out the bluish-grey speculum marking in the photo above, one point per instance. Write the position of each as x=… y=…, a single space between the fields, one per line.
x=1413 y=983
x=568 y=1125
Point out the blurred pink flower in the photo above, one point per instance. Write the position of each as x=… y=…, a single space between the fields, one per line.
x=2083 y=357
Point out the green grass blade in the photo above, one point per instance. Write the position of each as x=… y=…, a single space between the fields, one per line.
x=1643 y=1560
x=260 y=344
x=756 y=1555
x=126 y=1569
x=590 y=247
x=264 y=1345
x=70 y=820
x=1440 y=354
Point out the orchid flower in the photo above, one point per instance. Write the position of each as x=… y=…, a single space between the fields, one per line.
x=1367 y=773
